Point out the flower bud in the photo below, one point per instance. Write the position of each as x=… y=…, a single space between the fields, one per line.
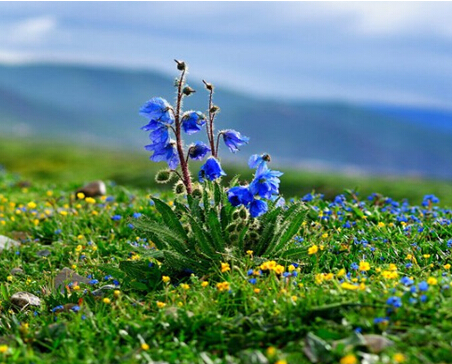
x=230 y=228
x=163 y=176
x=180 y=65
x=179 y=188
x=197 y=191
x=209 y=86
x=214 y=109
x=188 y=90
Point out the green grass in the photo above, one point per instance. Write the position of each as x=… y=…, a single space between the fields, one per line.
x=50 y=161
x=276 y=319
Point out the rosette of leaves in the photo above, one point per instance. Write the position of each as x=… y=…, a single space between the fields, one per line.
x=196 y=234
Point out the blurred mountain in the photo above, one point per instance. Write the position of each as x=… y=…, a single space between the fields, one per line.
x=98 y=105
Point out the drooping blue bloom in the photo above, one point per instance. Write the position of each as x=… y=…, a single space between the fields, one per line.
x=240 y=195
x=233 y=139
x=192 y=122
x=211 y=170
x=198 y=151
x=258 y=208
x=259 y=162
x=266 y=184
x=157 y=109
x=167 y=153
x=394 y=301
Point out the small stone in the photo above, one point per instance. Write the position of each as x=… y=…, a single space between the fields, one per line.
x=6 y=243
x=16 y=271
x=43 y=253
x=102 y=290
x=377 y=343
x=24 y=299
x=93 y=189
x=67 y=276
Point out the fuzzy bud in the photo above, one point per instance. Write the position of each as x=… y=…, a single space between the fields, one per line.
x=230 y=228
x=214 y=109
x=209 y=86
x=187 y=91
x=197 y=191
x=180 y=65
x=163 y=176
x=179 y=188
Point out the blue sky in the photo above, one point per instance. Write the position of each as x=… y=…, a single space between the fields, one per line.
x=391 y=52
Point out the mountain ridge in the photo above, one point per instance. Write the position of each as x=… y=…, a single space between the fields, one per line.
x=100 y=105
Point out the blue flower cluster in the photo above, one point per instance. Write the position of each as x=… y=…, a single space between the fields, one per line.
x=264 y=185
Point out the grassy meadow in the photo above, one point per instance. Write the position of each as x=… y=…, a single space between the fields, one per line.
x=371 y=285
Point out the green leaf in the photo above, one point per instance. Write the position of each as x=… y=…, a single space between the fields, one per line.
x=170 y=218
x=217 y=193
x=216 y=231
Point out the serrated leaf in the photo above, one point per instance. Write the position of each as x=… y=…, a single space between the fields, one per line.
x=170 y=218
x=216 y=231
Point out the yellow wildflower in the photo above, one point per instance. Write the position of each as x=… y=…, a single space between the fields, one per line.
x=271 y=351
x=328 y=276
x=313 y=249
x=204 y=284
x=381 y=224
x=80 y=195
x=349 y=286
x=90 y=200
x=341 y=273
x=161 y=304
x=144 y=346
x=324 y=235
x=185 y=286
x=117 y=293
x=257 y=290
x=348 y=359
x=279 y=269
x=225 y=267
x=364 y=266
x=447 y=266
x=249 y=252
x=432 y=281
x=166 y=279
x=106 y=300
x=3 y=349
x=426 y=256
x=223 y=286
x=399 y=358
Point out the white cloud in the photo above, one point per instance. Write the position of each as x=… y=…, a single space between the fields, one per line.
x=32 y=30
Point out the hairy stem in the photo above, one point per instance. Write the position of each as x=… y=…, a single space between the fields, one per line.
x=183 y=163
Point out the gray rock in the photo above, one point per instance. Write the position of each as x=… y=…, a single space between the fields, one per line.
x=377 y=343
x=67 y=276
x=17 y=271
x=6 y=243
x=102 y=290
x=93 y=189
x=25 y=299
x=43 y=253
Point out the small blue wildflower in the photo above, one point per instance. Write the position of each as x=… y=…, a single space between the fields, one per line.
x=307 y=198
x=75 y=308
x=287 y=274
x=116 y=217
x=407 y=281
x=93 y=281
x=394 y=301
x=347 y=225
x=379 y=320
x=408 y=265
x=57 y=232
x=358 y=330
x=252 y=280
x=354 y=266
x=294 y=273
x=130 y=226
x=423 y=286
x=115 y=282
x=413 y=289
x=83 y=317
x=211 y=170
x=423 y=298
x=412 y=300
x=58 y=308
x=136 y=215
x=106 y=278
x=192 y=122
x=250 y=272
x=198 y=151
x=233 y=139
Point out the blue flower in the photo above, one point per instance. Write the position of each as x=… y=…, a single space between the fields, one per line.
x=407 y=281
x=116 y=217
x=240 y=195
x=157 y=109
x=423 y=286
x=394 y=301
x=259 y=162
x=258 y=208
x=233 y=139
x=211 y=170
x=58 y=308
x=198 y=151
x=93 y=281
x=167 y=153
x=252 y=280
x=354 y=266
x=192 y=122
x=266 y=184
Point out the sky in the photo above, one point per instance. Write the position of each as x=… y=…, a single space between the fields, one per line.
x=358 y=52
